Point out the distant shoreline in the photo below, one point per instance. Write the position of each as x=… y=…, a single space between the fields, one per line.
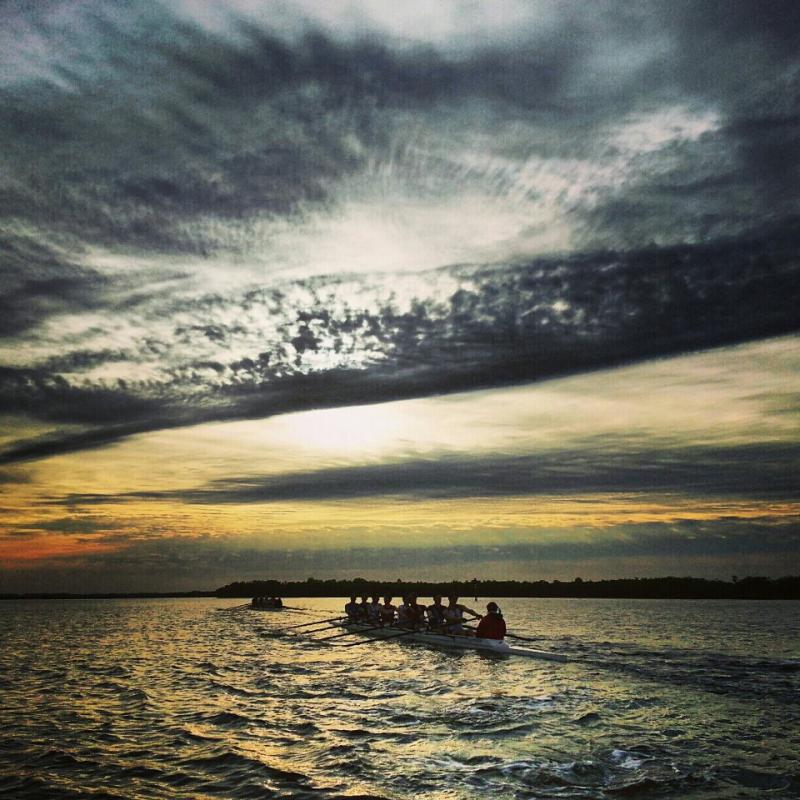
x=748 y=588
x=101 y=595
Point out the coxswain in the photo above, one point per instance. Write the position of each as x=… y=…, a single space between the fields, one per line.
x=387 y=611
x=435 y=613
x=454 y=615
x=351 y=609
x=492 y=626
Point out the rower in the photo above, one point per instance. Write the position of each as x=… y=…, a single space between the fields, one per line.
x=454 y=615
x=387 y=611
x=351 y=609
x=435 y=613
x=374 y=610
x=363 y=609
x=416 y=611
x=492 y=626
x=403 y=612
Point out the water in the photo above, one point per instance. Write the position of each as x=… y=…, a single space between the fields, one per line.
x=193 y=699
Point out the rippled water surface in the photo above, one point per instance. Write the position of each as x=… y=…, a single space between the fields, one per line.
x=199 y=699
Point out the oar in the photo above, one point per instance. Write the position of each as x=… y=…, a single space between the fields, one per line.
x=370 y=641
x=318 y=628
x=309 y=624
x=351 y=633
x=523 y=638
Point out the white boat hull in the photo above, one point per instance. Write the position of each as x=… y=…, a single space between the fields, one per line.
x=452 y=641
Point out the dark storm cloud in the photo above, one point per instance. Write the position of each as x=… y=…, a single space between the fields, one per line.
x=139 y=130
x=741 y=60
x=140 y=122
x=509 y=323
x=38 y=282
x=148 y=123
x=596 y=466
x=49 y=396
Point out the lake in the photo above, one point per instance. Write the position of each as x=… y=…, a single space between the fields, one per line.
x=195 y=698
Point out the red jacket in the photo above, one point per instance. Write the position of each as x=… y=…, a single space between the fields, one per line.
x=492 y=626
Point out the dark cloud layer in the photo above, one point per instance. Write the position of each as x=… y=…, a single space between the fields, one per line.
x=597 y=466
x=139 y=122
x=515 y=323
x=146 y=132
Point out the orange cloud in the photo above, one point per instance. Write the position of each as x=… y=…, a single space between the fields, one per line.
x=23 y=551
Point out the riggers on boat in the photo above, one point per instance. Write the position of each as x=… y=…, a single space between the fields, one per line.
x=449 y=640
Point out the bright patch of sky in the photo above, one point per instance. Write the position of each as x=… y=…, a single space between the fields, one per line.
x=721 y=397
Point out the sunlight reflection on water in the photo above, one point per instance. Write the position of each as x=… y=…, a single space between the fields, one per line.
x=188 y=699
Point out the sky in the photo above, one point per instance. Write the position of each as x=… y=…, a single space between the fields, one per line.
x=422 y=291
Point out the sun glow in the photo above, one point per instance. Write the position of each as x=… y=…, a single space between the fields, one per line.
x=355 y=430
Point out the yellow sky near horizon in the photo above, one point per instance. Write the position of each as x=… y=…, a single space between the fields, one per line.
x=729 y=397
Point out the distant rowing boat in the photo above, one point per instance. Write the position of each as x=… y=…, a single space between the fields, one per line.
x=266 y=604
x=459 y=642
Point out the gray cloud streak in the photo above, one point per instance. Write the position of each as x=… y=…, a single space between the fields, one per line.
x=597 y=466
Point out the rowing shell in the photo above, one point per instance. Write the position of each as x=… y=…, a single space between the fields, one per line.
x=459 y=642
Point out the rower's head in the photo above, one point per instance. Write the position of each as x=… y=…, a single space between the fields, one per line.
x=492 y=607
x=437 y=599
x=387 y=600
x=375 y=599
x=364 y=599
x=352 y=598
x=452 y=599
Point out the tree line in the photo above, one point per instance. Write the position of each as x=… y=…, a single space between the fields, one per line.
x=748 y=588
